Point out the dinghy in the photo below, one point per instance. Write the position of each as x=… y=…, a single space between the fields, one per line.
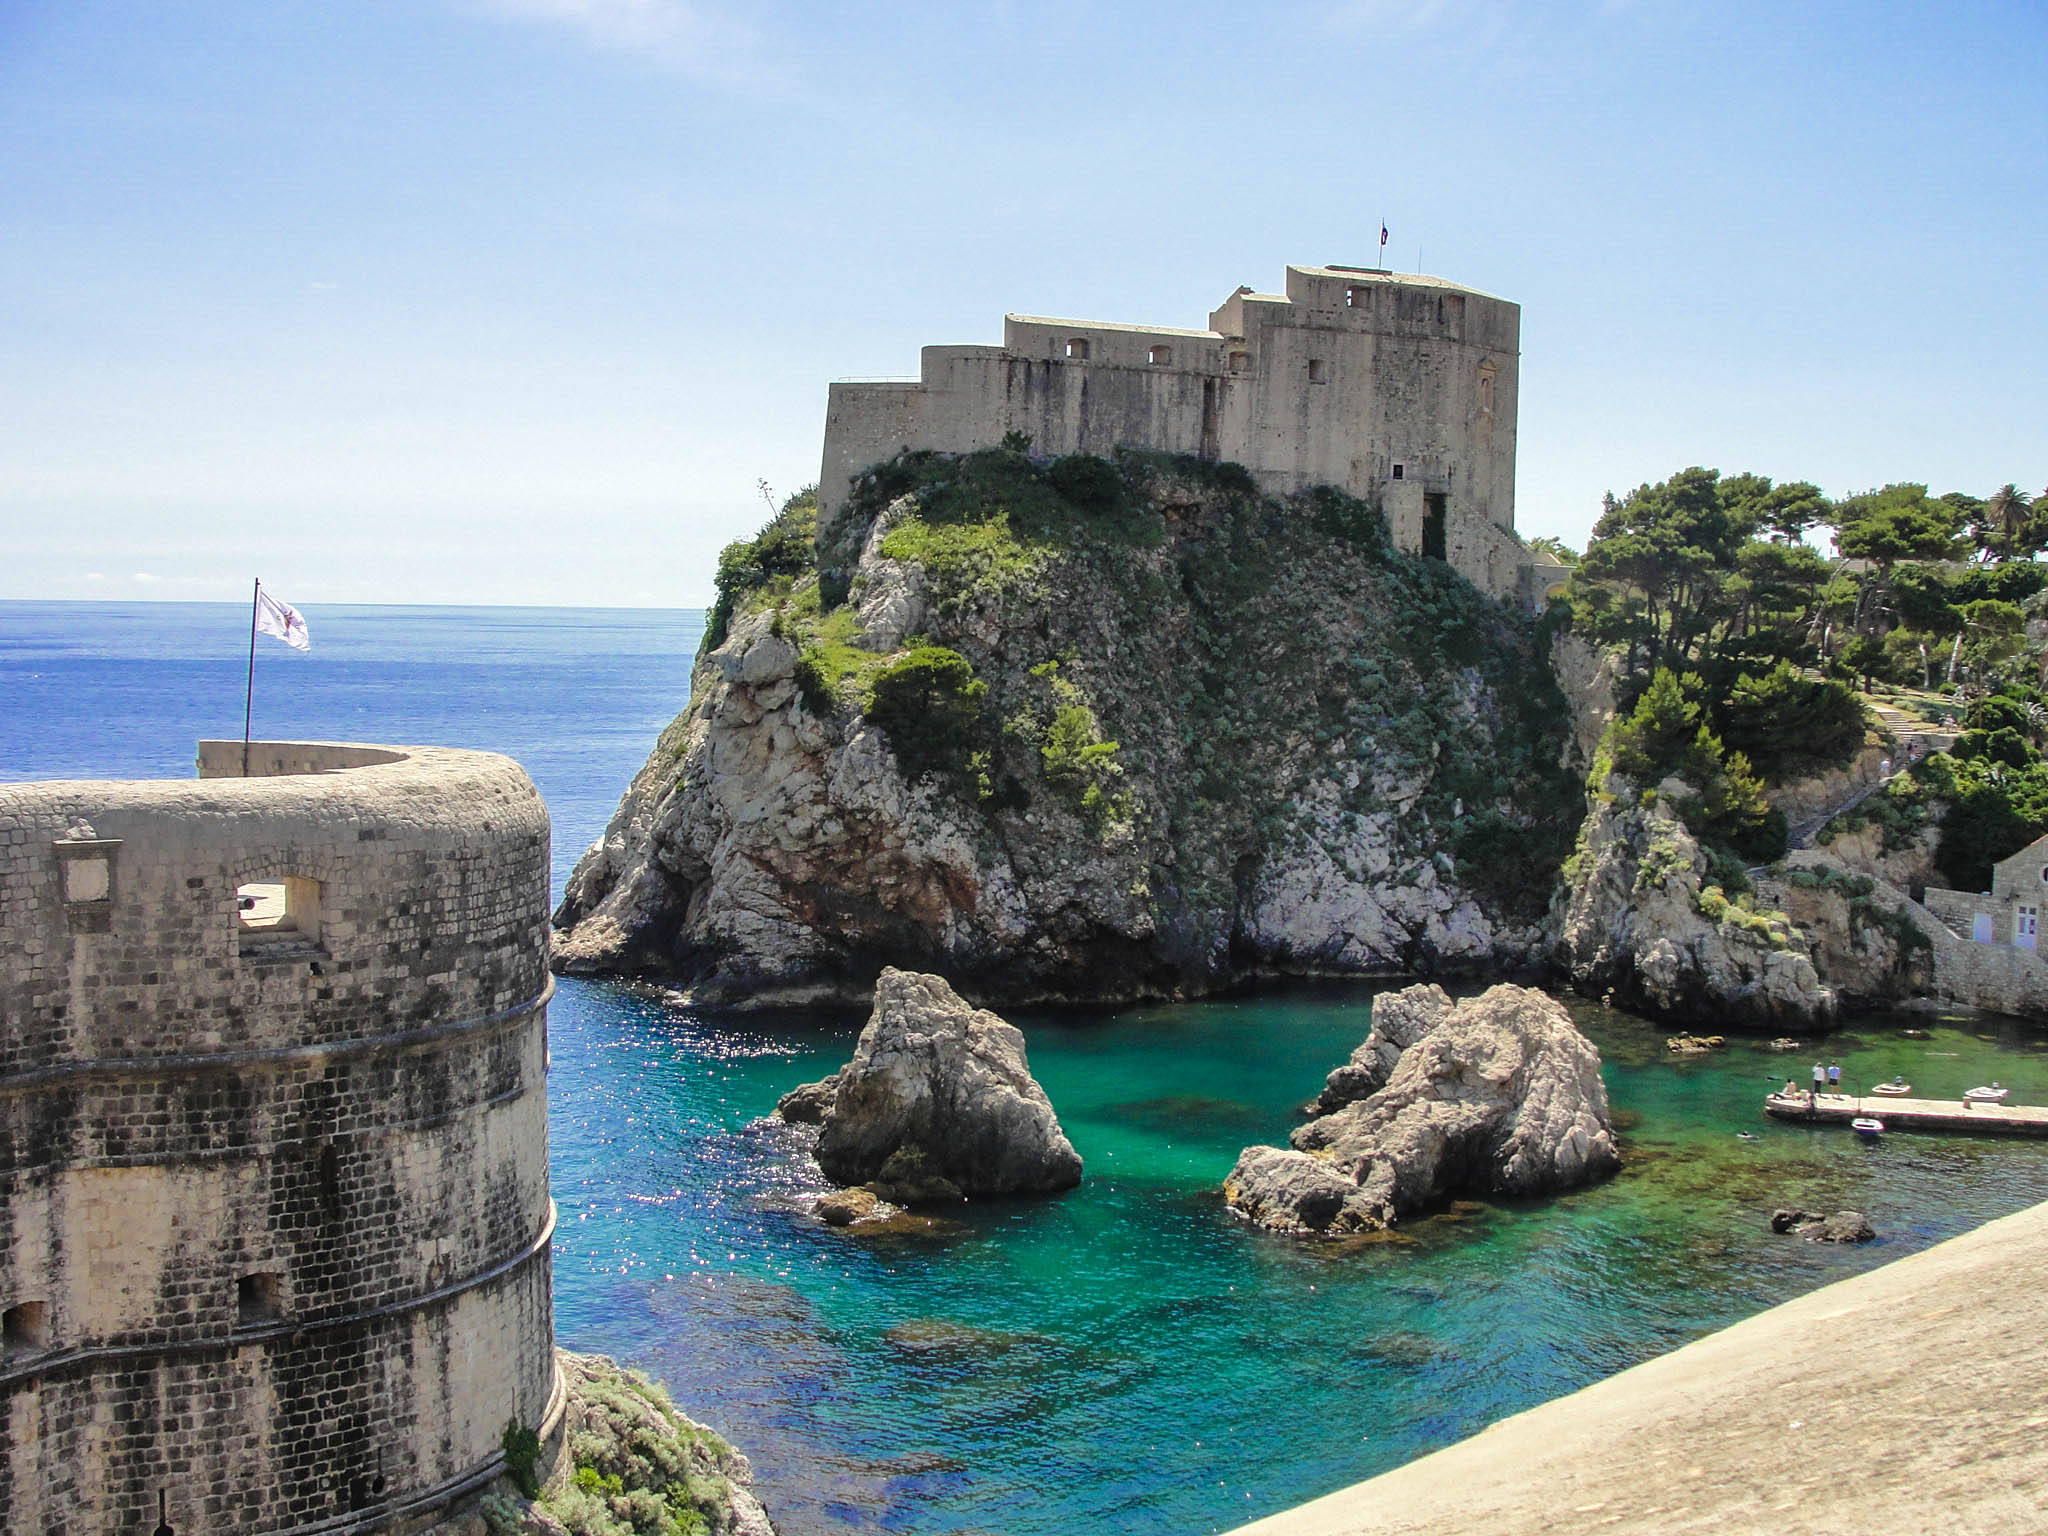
x=1992 y=1095
x=1865 y=1125
x=1898 y=1087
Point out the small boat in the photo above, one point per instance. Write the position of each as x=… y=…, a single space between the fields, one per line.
x=1747 y=1136
x=1866 y=1125
x=1992 y=1095
x=1898 y=1087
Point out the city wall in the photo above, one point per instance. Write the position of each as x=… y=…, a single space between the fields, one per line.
x=274 y=1214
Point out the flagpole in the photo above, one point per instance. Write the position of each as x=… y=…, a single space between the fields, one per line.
x=249 y=697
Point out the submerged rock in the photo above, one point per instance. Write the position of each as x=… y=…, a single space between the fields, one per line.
x=1841 y=1227
x=1498 y=1094
x=938 y=1104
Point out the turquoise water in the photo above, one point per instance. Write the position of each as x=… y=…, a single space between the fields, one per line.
x=1123 y=1358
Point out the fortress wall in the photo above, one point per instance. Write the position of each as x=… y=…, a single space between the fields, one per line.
x=1348 y=378
x=279 y=1201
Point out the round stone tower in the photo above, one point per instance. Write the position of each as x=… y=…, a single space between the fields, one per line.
x=274 y=1214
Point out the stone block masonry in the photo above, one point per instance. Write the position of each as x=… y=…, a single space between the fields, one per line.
x=274 y=1214
x=1401 y=389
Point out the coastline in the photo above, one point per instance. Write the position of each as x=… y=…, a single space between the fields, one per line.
x=1890 y=1401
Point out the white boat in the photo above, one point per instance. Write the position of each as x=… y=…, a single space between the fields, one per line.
x=1898 y=1087
x=1866 y=1125
x=1992 y=1095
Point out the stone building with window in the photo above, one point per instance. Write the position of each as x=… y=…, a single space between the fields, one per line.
x=274 y=1212
x=1401 y=389
x=2010 y=912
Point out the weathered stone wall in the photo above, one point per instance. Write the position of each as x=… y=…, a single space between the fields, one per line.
x=1399 y=389
x=274 y=1238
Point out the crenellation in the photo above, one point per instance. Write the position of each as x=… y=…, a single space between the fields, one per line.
x=223 y=1163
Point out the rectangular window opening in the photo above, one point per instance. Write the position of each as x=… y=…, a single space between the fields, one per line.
x=1077 y=349
x=277 y=912
x=1357 y=298
x=1240 y=361
x=1318 y=371
x=259 y=1298
x=1399 y=471
x=1159 y=357
x=1435 y=514
x=24 y=1326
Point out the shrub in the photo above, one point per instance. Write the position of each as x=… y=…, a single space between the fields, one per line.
x=782 y=548
x=1787 y=722
x=522 y=1451
x=929 y=706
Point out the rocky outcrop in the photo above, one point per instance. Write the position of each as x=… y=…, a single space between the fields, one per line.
x=1498 y=1094
x=1216 y=734
x=938 y=1104
x=1814 y=1226
x=1399 y=1019
x=1870 y=942
x=627 y=1459
x=1644 y=923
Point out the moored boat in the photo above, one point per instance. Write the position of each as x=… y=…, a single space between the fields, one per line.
x=1867 y=1125
x=1898 y=1087
x=1991 y=1095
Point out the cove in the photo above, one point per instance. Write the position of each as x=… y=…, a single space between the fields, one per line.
x=1128 y=1357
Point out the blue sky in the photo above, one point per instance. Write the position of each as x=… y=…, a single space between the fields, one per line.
x=517 y=300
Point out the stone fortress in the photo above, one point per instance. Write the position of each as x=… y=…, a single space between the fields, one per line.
x=274 y=1212
x=1399 y=389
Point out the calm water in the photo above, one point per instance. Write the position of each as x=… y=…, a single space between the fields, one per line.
x=1125 y=1358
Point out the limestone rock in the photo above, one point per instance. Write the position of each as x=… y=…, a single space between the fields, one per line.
x=774 y=851
x=1643 y=921
x=1841 y=1227
x=844 y=1207
x=810 y=1103
x=1498 y=1094
x=620 y=1425
x=1399 y=1019
x=938 y=1104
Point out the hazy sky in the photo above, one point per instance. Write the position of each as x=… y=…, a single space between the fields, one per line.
x=516 y=300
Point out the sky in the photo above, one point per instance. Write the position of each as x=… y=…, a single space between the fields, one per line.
x=522 y=301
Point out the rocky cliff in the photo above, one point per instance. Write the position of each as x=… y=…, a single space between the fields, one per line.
x=1646 y=921
x=1086 y=730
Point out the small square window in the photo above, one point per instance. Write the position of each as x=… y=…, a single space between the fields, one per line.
x=1240 y=361
x=1318 y=371
x=259 y=1298
x=1077 y=349
x=1357 y=298
x=24 y=1326
x=1398 y=468
x=1159 y=357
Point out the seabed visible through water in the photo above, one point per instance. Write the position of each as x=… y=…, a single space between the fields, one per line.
x=1129 y=1357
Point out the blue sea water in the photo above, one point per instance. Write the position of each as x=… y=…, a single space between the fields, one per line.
x=1125 y=1358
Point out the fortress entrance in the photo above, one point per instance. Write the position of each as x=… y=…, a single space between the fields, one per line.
x=1434 y=512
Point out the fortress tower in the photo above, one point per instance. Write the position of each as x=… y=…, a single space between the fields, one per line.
x=1400 y=389
x=274 y=1214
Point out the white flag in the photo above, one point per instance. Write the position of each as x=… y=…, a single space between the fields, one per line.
x=281 y=620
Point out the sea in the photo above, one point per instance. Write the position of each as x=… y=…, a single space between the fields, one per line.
x=1124 y=1358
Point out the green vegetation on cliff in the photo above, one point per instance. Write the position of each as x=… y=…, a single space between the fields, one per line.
x=1150 y=646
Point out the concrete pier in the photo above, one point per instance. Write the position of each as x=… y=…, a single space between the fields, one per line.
x=1907 y=1399
x=1901 y=1114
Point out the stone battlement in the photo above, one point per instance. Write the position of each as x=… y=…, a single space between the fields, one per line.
x=1400 y=389
x=273 y=1139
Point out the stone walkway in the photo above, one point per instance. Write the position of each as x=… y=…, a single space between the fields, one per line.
x=1912 y=1398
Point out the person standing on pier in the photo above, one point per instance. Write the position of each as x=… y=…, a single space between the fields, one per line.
x=1834 y=1077
x=1820 y=1079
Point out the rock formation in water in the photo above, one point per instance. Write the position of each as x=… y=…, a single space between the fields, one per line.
x=1645 y=924
x=938 y=1104
x=1498 y=1094
x=630 y=1461
x=1080 y=730
x=1817 y=1227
